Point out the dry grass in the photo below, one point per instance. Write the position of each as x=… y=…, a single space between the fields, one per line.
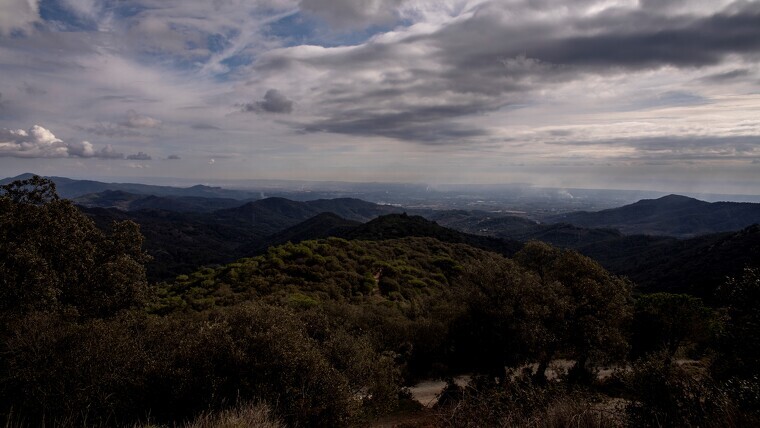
x=250 y=415
x=253 y=415
x=563 y=413
x=567 y=412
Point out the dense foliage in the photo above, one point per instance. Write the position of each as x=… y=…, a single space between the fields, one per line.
x=328 y=332
x=54 y=258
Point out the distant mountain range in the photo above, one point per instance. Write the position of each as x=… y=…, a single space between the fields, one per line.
x=671 y=215
x=655 y=242
x=126 y=201
x=70 y=188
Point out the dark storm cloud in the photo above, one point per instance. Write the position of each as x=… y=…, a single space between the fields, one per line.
x=703 y=42
x=617 y=40
x=441 y=134
x=274 y=102
x=409 y=125
x=491 y=60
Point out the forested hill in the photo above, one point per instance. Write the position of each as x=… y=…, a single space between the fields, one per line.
x=326 y=333
x=390 y=226
x=275 y=214
x=182 y=241
x=695 y=266
x=671 y=215
x=320 y=226
x=126 y=201
x=402 y=225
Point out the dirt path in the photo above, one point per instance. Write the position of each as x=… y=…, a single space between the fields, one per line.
x=426 y=392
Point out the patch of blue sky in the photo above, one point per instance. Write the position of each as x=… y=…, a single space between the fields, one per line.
x=53 y=11
x=351 y=38
x=232 y=64
x=218 y=42
x=293 y=29
x=678 y=98
x=186 y=63
x=236 y=61
x=300 y=29
x=122 y=9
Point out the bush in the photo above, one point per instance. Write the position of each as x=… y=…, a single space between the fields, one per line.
x=518 y=401
x=670 y=395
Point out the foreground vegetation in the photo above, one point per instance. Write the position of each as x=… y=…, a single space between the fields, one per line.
x=329 y=333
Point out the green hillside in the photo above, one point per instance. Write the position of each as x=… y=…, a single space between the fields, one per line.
x=330 y=332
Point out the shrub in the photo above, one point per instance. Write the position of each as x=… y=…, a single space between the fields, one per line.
x=518 y=401
x=671 y=395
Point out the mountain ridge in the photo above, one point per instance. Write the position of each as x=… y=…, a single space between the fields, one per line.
x=671 y=215
x=71 y=188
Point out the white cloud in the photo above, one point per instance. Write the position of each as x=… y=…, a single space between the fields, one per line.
x=135 y=120
x=85 y=8
x=345 y=14
x=82 y=150
x=39 y=142
x=18 y=15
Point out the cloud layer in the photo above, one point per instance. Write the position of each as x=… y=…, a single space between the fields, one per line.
x=444 y=90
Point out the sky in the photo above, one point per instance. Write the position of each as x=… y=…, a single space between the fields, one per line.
x=635 y=94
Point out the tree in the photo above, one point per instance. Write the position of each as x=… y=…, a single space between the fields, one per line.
x=53 y=257
x=596 y=305
x=740 y=341
x=512 y=317
x=664 y=321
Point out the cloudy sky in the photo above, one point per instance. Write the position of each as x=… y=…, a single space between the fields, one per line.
x=574 y=93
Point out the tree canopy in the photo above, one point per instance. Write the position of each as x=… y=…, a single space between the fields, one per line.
x=52 y=257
